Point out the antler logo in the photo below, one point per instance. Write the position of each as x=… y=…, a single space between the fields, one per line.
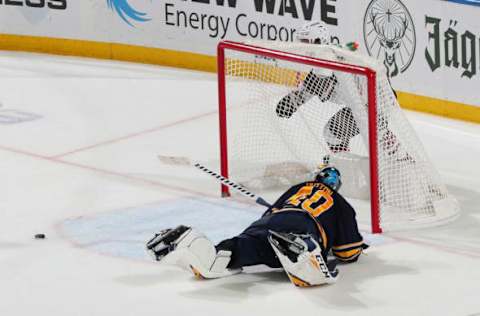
x=126 y=11
x=389 y=33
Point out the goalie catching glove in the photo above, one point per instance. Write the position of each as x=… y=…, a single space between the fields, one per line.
x=302 y=259
x=188 y=248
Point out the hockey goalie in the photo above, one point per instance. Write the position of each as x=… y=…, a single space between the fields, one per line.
x=309 y=224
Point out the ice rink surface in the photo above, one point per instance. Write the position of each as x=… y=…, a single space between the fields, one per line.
x=78 y=146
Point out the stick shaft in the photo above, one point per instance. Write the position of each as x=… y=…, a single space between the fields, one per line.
x=233 y=185
x=184 y=161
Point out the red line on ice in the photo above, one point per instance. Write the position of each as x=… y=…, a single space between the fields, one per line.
x=137 y=134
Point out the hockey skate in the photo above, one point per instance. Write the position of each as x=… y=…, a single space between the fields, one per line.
x=191 y=250
x=302 y=259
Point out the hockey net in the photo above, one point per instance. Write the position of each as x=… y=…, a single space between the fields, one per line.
x=285 y=109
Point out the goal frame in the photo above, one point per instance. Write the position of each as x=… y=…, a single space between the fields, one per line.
x=371 y=77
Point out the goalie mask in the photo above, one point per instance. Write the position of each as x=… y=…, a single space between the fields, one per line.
x=330 y=176
x=314 y=33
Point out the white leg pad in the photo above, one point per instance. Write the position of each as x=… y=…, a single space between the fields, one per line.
x=195 y=252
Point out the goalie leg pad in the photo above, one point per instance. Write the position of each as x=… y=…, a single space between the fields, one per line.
x=302 y=259
x=206 y=264
x=191 y=250
x=168 y=240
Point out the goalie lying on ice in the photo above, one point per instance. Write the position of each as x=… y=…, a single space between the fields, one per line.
x=309 y=221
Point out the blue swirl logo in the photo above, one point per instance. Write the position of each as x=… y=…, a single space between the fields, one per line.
x=127 y=12
x=470 y=2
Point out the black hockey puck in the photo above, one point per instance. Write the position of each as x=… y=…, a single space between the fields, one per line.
x=40 y=236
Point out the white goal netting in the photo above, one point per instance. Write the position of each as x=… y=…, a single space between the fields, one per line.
x=285 y=118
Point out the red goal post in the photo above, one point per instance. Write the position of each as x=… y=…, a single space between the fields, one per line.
x=268 y=53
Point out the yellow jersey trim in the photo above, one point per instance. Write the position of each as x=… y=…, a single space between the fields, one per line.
x=346 y=246
x=347 y=255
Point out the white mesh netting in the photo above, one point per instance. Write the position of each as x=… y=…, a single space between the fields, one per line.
x=284 y=118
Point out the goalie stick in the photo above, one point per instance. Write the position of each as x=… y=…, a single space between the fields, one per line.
x=184 y=161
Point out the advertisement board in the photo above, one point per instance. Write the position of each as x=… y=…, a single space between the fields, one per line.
x=430 y=48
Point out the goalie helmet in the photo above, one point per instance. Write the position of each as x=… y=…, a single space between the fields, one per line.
x=314 y=33
x=330 y=176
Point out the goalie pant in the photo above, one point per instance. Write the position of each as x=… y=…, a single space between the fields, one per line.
x=335 y=228
x=252 y=247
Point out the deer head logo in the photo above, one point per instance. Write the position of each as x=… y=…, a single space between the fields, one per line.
x=390 y=34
